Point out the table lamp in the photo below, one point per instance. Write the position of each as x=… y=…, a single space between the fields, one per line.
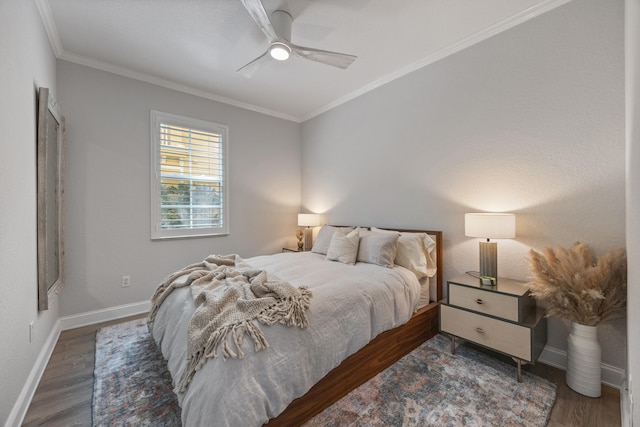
x=489 y=226
x=308 y=221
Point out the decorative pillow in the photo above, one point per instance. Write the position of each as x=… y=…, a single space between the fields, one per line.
x=415 y=252
x=323 y=239
x=378 y=248
x=344 y=248
x=429 y=246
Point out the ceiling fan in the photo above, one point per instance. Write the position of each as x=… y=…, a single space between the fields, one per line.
x=278 y=32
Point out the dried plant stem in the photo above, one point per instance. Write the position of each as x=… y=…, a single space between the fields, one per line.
x=577 y=286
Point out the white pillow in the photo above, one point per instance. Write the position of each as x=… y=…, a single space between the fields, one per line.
x=323 y=239
x=344 y=248
x=429 y=246
x=415 y=252
x=378 y=248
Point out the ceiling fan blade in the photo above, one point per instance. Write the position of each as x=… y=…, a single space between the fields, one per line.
x=257 y=12
x=249 y=69
x=335 y=59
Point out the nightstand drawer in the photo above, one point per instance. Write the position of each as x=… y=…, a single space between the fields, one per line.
x=509 y=338
x=492 y=303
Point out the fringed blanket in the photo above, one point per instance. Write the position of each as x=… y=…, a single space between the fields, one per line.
x=229 y=294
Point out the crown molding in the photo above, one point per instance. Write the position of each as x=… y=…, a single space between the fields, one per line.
x=44 y=8
x=52 y=32
x=158 y=81
x=46 y=14
x=503 y=25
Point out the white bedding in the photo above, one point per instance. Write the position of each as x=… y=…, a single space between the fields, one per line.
x=351 y=304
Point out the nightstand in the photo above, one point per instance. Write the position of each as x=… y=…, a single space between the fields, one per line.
x=290 y=250
x=503 y=317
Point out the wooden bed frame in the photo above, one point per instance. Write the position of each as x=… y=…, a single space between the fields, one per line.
x=383 y=351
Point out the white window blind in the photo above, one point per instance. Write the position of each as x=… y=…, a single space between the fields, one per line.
x=189 y=192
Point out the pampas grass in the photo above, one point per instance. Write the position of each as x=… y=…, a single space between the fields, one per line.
x=577 y=286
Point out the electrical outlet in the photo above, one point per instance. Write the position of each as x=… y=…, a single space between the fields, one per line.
x=31 y=325
x=126 y=281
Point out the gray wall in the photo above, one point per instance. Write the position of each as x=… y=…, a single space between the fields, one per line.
x=26 y=63
x=108 y=189
x=530 y=121
x=632 y=25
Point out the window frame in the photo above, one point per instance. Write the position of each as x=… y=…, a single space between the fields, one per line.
x=157 y=119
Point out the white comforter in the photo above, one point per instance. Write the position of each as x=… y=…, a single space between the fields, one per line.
x=350 y=306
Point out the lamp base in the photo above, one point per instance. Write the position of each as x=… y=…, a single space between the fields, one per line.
x=308 y=238
x=489 y=260
x=299 y=236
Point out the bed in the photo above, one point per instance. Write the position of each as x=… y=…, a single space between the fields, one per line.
x=362 y=318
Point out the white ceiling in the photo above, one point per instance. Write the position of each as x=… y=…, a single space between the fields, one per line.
x=197 y=45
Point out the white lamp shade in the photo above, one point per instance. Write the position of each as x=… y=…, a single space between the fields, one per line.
x=490 y=225
x=308 y=220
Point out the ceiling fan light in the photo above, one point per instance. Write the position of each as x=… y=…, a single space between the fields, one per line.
x=280 y=51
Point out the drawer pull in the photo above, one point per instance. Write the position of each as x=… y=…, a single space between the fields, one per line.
x=479 y=301
x=480 y=330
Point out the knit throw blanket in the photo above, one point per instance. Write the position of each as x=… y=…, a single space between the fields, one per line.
x=229 y=294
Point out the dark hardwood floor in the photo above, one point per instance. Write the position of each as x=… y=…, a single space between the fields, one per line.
x=574 y=409
x=63 y=397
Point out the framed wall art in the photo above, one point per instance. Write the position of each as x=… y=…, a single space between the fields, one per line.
x=50 y=190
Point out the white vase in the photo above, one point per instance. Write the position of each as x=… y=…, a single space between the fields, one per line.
x=583 y=360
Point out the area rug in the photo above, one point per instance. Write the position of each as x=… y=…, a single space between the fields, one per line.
x=432 y=387
x=428 y=387
x=132 y=386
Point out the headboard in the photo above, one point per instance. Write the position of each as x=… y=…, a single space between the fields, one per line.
x=435 y=235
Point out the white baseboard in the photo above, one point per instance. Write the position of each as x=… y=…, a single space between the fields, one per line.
x=20 y=408
x=104 y=315
x=612 y=376
x=625 y=405
x=19 y=411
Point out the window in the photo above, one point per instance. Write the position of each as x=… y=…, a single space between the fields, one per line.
x=188 y=177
